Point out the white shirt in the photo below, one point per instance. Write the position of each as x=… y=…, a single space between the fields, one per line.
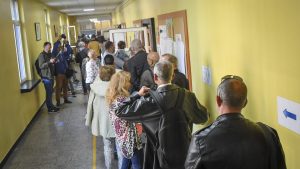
x=163 y=85
x=92 y=70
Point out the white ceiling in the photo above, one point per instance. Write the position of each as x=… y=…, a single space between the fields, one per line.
x=76 y=7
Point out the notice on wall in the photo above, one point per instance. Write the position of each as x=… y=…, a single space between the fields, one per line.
x=166 y=46
x=206 y=75
x=288 y=114
x=179 y=52
x=163 y=31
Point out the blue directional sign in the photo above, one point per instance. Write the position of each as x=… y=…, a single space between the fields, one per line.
x=288 y=114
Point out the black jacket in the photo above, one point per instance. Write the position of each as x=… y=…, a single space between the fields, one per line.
x=171 y=149
x=180 y=80
x=136 y=66
x=233 y=142
x=81 y=55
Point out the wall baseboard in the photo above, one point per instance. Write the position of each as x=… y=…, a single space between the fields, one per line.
x=3 y=162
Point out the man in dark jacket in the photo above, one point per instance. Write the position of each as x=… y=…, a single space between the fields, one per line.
x=165 y=115
x=80 y=56
x=233 y=141
x=179 y=78
x=147 y=78
x=137 y=64
x=61 y=66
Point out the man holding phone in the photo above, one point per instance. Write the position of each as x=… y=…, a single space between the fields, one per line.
x=46 y=65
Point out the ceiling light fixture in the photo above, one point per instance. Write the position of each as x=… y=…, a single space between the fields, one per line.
x=94 y=20
x=88 y=10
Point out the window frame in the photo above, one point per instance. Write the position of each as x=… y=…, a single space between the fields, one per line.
x=17 y=27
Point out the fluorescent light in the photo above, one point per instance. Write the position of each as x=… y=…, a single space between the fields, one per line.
x=94 y=20
x=87 y=10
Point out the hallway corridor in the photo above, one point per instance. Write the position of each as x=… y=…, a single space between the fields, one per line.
x=58 y=141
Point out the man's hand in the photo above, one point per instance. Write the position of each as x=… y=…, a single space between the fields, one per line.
x=143 y=91
x=52 y=60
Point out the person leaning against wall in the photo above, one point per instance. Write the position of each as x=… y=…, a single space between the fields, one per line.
x=46 y=65
x=233 y=141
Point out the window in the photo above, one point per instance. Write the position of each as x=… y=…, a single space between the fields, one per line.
x=18 y=39
x=48 y=28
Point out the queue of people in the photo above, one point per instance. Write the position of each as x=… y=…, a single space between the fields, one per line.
x=145 y=94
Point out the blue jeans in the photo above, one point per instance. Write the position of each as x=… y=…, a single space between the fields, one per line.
x=48 y=83
x=135 y=162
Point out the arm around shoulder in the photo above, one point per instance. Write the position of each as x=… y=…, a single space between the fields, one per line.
x=138 y=109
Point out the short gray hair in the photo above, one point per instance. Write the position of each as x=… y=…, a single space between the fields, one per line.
x=164 y=70
x=81 y=44
x=136 y=45
x=233 y=93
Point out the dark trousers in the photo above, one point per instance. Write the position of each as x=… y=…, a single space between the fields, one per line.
x=48 y=83
x=61 y=84
x=83 y=82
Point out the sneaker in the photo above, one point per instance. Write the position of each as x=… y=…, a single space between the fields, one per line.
x=53 y=110
x=74 y=94
x=68 y=101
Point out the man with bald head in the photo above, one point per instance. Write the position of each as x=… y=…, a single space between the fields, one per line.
x=233 y=141
x=147 y=78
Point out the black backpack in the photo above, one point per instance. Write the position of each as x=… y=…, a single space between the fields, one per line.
x=37 y=66
x=172 y=135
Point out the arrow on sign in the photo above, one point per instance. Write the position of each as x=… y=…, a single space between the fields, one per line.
x=289 y=114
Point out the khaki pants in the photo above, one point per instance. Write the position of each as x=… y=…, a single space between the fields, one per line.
x=61 y=83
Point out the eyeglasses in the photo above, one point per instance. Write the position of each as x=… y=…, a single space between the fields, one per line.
x=227 y=77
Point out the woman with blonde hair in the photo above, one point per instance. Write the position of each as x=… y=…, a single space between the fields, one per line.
x=92 y=68
x=127 y=137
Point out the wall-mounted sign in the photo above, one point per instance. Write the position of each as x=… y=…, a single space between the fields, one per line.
x=288 y=114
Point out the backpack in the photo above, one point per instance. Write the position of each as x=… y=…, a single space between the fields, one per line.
x=172 y=135
x=37 y=66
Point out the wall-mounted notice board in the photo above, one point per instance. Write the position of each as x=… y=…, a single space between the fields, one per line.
x=173 y=38
x=149 y=23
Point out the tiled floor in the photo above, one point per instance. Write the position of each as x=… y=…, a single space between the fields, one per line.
x=58 y=141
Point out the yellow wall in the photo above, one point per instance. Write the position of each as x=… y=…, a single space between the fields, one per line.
x=18 y=109
x=257 y=39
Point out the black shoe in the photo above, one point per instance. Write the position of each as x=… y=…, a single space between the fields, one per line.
x=53 y=110
x=56 y=108
x=67 y=101
x=57 y=104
